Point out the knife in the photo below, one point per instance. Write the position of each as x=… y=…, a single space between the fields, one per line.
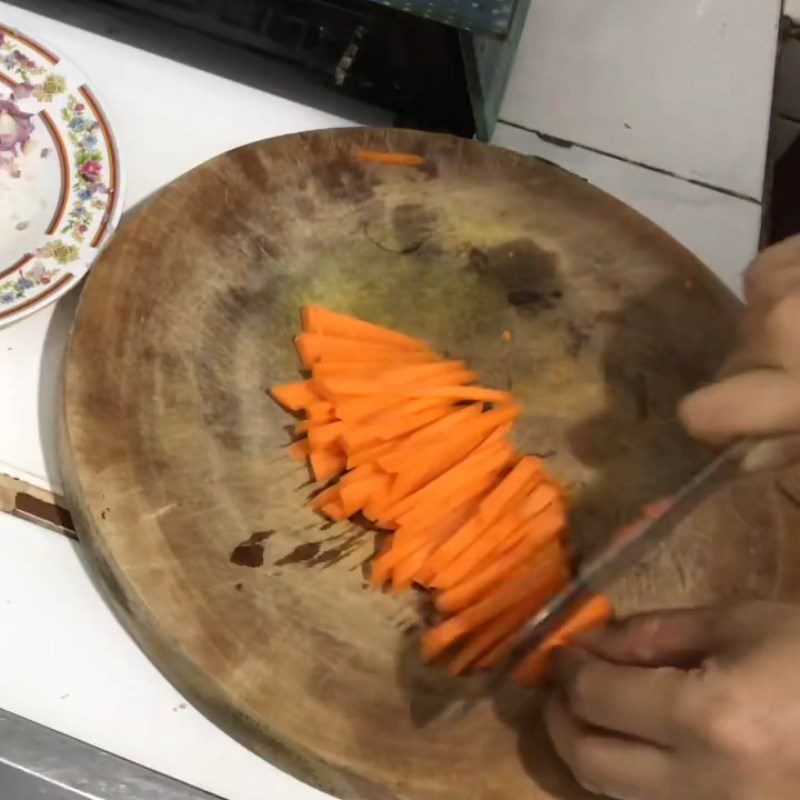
x=606 y=566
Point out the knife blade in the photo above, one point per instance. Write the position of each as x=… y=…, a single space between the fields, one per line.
x=606 y=566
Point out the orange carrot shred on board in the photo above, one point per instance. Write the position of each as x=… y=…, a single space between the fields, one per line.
x=413 y=443
x=295 y=396
x=299 y=450
x=593 y=614
x=383 y=157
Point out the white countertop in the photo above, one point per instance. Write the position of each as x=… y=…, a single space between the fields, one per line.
x=69 y=665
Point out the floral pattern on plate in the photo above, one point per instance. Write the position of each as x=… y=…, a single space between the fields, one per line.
x=60 y=181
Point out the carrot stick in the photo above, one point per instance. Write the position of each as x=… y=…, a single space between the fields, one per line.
x=354 y=496
x=320 y=411
x=380 y=157
x=299 y=450
x=326 y=462
x=593 y=614
x=333 y=510
x=314 y=347
x=326 y=434
x=317 y=319
x=347 y=386
x=325 y=496
x=295 y=396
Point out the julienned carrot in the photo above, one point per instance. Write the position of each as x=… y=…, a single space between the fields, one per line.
x=299 y=450
x=295 y=396
x=438 y=639
x=593 y=614
x=549 y=557
x=381 y=157
x=492 y=656
x=326 y=462
x=513 y=487
x=406 y=541
x=317 y=319
x=313 y=347
x=342 y=387
x=383 y=430
x=407 y=441
x=492 y=634
x=326 y=434
x=320 y=411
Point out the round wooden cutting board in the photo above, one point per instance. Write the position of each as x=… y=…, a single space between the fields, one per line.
x=197 y=521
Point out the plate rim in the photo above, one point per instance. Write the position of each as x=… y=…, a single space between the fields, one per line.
x=82 y=256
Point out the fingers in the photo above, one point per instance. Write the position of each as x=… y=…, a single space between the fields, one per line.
x=634 y=701
x=608 y=765
x=775 y=453
x=681 y=638
x=753 y=404
x=774 y=274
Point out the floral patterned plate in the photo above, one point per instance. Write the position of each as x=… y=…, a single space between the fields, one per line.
x=60 y=181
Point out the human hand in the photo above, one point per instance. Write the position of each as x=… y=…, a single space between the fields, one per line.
x=701 y=704
x=758 y=395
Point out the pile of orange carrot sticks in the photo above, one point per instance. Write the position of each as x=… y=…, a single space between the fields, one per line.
x=406 y=439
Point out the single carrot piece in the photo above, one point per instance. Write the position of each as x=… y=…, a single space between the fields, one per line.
x=299 y=450
x=320 y=411
x=327 y=462
x=411 y=373
x=314 y=347
x=354 y=496
x=333 y=510
x=317 y=319
x=344 y=386
x=593 y=614
x=326 y=434
x=325 y=496
x=381 y=157
x=387 y=384
x=295 y=396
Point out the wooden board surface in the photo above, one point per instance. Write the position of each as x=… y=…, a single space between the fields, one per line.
x=197 y=521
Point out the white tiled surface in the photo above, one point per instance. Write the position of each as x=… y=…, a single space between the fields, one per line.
x=684 y=85
x=723 y=231
x=168 y=117
x=69 y=665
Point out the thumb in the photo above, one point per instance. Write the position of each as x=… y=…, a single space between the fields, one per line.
x=762 y=402
x=682 y=638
